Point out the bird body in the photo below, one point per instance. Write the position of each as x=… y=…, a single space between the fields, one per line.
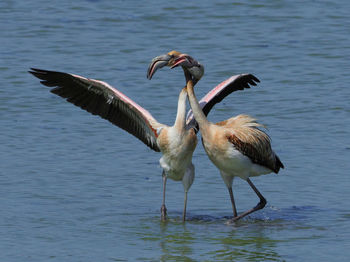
x=237 y=148
x=177 y=148
x=99 y=98
x=222 y=144
x=177 y=144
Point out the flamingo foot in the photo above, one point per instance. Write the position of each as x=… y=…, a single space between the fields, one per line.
x=259 y=206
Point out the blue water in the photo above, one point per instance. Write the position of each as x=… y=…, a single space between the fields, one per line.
x=76 y=188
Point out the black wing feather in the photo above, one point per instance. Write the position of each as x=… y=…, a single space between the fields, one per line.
x=98 y=98
x=241 y=82
x=218 y=93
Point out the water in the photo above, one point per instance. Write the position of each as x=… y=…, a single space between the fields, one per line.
x=76 y=188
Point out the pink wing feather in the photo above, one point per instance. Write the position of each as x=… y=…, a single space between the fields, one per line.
x=99 y=98
x=218 y=93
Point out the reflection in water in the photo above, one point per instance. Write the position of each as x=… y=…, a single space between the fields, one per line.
x=235 y=247
x=256 y=238
x=176 y=245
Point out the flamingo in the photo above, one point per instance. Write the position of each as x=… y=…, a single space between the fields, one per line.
x=236 y=146
x=176 y=143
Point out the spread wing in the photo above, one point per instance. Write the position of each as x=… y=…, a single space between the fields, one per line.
x=99 y=98
x=218 y=93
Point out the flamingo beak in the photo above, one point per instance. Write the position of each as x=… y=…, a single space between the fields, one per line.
x=174 y=59
x=181 y=60
x=190 y=64
x=157 y=63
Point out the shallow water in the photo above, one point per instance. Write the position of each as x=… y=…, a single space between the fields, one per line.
x=76 y=188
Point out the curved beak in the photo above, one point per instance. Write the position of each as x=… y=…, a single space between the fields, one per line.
x=181 y=60
x=157 y=63
x=174 y=59
x=190 y=64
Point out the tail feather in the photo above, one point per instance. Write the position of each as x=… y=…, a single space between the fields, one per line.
x=279 y=165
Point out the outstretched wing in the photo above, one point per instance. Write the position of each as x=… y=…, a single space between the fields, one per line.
x=99 y=98
x=218 y=93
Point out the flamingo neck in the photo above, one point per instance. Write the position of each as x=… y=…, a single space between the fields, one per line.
x=181 y=110
x=196 y=109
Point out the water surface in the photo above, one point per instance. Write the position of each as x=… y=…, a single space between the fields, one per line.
x=76 y=188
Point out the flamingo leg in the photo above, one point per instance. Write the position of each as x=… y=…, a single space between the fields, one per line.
x=163 y=208
x=185 y=205
x=259 y=206
x=232 y=202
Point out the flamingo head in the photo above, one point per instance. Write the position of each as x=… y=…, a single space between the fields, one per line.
x=174 y=59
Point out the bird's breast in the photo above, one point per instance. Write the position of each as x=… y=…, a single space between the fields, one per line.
x=177 y=149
